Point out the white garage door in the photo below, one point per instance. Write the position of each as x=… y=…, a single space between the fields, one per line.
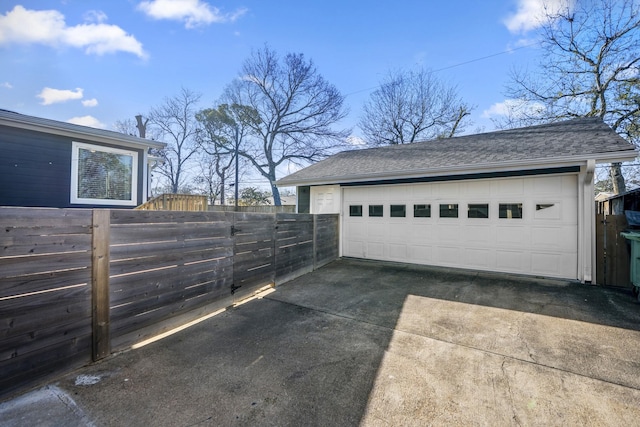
x=522 y=225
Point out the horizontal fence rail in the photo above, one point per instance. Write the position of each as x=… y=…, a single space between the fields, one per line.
x=77 y=285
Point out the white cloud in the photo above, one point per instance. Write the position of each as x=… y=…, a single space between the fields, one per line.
x=356 y=141
x=514 y=108
x=95 y=16
x=90 y=102
x=6 y=85
x=48 y=27
x=531 y=14
x=87 y=121
x=52 y=96
x=193 y=13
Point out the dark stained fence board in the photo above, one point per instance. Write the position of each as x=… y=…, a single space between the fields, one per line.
x=326 y=239
x=600 y=250
x=167 y=260
x=32 y=265
x=45 y=297
x=184 y=262
x=141 y=233
x=294 y=246
x=174 y=295
x=129 y=288
x=127 y=216
x=43 y=338
x=617 y=252
x=34 y=369
x=45 y=217
x=24 y=325
x=160 y=248
x=47 y=281
x=612 y=252
x=254 y=241
x=154 y=318
x=166 y=247
x=125 y=340
x=42 y=244
x=65 y=306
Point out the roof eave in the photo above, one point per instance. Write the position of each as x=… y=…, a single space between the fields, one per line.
x=77 y=131
x=611 y=157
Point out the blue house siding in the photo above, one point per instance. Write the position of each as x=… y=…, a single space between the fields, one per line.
x=35 y=169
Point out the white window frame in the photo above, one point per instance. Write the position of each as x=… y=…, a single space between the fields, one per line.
x=75 y=155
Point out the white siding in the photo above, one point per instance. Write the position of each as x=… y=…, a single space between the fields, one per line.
x=325 y=199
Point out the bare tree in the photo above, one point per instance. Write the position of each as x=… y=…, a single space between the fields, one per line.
x=410 y=106
x=133 y=128
x=126 y=126
x=208 y=180
x=589 y=68
x=224 y=131
x=296 y=107
x=175 y=123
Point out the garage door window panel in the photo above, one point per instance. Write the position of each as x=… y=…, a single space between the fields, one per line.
x=422 y=211
x=510 y=211
x=547 y=210
x=376 y=210
x=449 y=210
x=478 y=210
x=398 y=211
x=355 y=210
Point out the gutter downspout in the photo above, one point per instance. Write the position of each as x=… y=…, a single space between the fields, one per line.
x=587 y=221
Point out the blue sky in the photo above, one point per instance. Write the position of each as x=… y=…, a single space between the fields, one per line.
x=95 y=62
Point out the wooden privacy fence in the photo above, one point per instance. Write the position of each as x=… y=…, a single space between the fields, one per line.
x=612 y=252
x=257 y=209
x=76 y=285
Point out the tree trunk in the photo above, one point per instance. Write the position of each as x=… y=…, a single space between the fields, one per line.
x=276 y=194
x=222 y=189
x=142 y=127
x=617 y=180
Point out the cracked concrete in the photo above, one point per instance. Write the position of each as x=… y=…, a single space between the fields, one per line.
x=376 y=344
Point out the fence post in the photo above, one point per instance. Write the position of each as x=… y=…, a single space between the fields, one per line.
x=101 y=341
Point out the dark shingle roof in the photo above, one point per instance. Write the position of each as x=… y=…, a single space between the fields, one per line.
x=562 y=142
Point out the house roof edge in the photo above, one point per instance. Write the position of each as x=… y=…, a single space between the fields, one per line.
x=22 y=121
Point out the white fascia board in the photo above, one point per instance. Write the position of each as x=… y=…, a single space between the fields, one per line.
x=76 y=131
x=628 y=156
x=469 y=170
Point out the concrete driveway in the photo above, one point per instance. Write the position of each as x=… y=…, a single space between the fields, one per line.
x=374 y=344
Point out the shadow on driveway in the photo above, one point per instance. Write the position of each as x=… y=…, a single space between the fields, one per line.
x=371 y=343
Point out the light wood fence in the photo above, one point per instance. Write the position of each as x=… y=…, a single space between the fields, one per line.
x=77 y=285
x=175 y=202
x=257 y=209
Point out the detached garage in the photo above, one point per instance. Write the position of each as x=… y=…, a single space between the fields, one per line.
x=515 y=201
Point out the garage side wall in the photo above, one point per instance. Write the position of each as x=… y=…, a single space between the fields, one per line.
x=325 y=199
